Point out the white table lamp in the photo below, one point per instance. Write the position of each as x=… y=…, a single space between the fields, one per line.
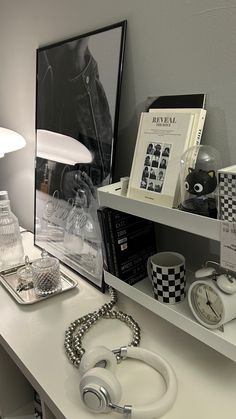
x=58 y=148
x=10 y=141
x=61 y=148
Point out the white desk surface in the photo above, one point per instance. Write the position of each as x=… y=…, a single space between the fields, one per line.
x=34 y=335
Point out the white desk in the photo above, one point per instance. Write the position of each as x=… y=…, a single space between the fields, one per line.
x=33 y=337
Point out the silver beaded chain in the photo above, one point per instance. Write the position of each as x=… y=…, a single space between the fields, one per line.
x=77 y=329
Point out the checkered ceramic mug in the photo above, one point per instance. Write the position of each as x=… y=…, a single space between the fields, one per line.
x=166 y=270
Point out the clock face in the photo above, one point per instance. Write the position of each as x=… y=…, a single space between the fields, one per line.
x=207 y=304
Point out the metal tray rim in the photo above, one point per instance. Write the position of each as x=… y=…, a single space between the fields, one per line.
x=11 y=271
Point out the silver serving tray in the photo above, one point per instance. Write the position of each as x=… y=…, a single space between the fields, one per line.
x=10 y=281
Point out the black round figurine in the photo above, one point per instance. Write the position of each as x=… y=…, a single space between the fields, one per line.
x=198 y=175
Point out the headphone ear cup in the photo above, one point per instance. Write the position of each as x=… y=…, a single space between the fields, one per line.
x=98 y=388
x=98 y=356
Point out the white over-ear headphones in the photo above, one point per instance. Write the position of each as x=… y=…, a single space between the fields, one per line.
x=101 y=391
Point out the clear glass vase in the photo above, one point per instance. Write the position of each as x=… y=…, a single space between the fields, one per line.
x=11 y=247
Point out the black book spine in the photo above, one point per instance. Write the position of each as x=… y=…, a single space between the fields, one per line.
x=110 y=224
x=104 y=251
x=106 y=239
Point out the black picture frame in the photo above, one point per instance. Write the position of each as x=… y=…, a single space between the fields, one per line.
x=78 y=86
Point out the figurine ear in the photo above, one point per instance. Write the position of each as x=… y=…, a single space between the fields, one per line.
x=190 y=169
x=211 y=173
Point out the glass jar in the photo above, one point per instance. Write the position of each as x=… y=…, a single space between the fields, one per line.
x=46 y=275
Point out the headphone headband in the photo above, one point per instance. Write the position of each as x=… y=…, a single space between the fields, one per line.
x=162 y=366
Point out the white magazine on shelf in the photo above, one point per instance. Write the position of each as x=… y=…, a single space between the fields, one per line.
x=198 y=123
x=162 y=138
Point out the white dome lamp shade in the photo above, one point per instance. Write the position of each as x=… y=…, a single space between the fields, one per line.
x=10 y=141
x=61 y=148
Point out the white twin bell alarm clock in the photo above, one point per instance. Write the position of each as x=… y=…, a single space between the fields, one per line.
x=212 y=298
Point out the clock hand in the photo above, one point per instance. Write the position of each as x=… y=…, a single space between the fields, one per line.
x=208 y=301
x=212 y=308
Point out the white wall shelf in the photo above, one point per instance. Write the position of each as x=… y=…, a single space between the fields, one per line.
x=179 y=315
x=110 y=196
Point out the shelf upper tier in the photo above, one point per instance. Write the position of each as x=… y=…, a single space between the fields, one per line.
x=110 y=196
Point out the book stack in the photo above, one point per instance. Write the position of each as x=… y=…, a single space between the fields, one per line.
x=128 y=241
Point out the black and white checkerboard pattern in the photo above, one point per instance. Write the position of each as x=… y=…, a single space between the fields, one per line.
x=227 y=184
x=227 y=208
x=169 y=284
x=227 y=196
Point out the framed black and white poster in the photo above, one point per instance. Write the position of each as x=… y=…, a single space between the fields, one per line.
x=77 y=105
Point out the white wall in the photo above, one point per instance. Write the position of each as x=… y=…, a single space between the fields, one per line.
x=172 y=47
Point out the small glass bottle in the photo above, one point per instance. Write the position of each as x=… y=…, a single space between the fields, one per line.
x=11 y=247
x=74 y=230
x=82 y=236
x=91 y=258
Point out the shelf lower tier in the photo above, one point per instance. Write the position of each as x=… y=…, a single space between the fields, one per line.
x=179 y=315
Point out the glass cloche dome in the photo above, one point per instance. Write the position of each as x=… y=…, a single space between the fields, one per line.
x=198 y=178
